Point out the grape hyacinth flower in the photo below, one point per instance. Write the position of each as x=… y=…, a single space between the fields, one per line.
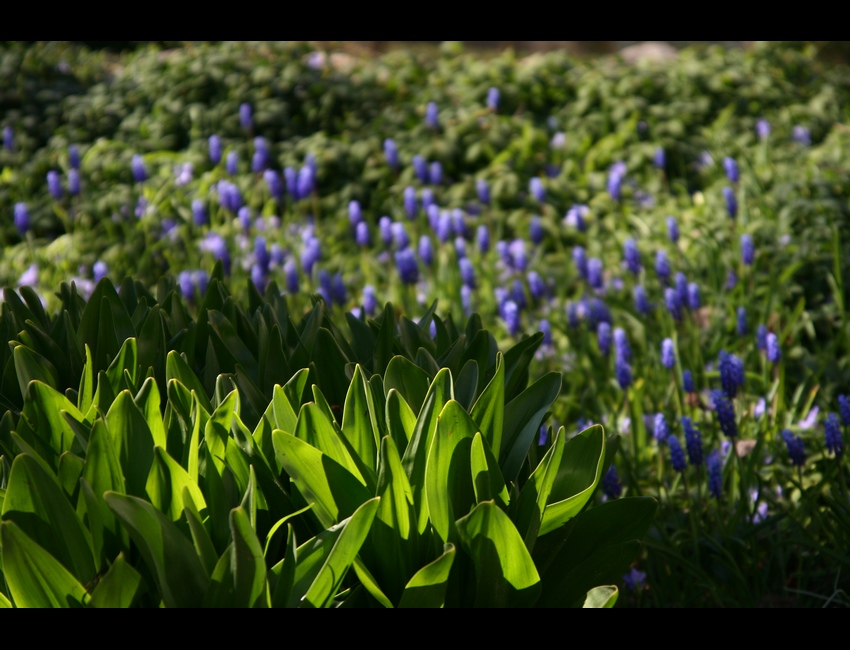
x=535 y=187
x=408 y=269
x=385 y=229
x=483 y=189
x=355 y=214
x=185 y=284
x=29 y=278
x=762 y=129
x=730 y=166
x=715 y=474
x=631 y=256
x=306 y=181
x=99 y=271
x=361 y=235
x=546 y=328
x=275 y=184
x=731 y=373
x=391 y=153
x=603 y=338
x=420 y=168
x=290 y=271
x=435 y=173
x=244 y=218
x=512 y=317
x=558 y=141
x=748 y=251
x=260 y=160
x=634 y=580
x=662 y=266
x=832 y=435
x=688 y=381
x=677 y=454
x=844 y=409
x=575 y=217
x=693 y=441
x=761 y=337
x=74 y=157
x=668 y=355
x=615 y=180
x=467 y=272
x=660 y=430
x=773 y=351
x=400 y=236
x=623 y=372
x=482 y=237
x=140 y=174
x=493 y=98
x=659 y=159
x=725 y=414
x=672 y=230
x=536 y=286
x=8 y=138
x=641 y=301
x=22 y=218
x=310 y=254
x=741 y=321
x=580 y=260
x=681 y=284
x=432 y=115
x=214 y=144
x=517 y=294
x=231 y=163
x=693 y=296
x=594 y=273
x=621 y=344
x=536 y=231
x=246 y=116
x=801 y=135
x=370 y=301
x=572 y=314
x=731 y=280
x=796 y=448
x=410 y=201
x=74 y=182
x=731 y=202
x=426 y=250
x=611 y=485
x=810 y=420
x=673 y=304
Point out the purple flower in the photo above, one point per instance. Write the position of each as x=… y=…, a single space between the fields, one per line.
x=741 y=321
x=370 y=301
x=612 y=487
x=306 y=181
x=29 y=278
x=730 y=166
x=659 y=159
x=483 y=189
x=290 y=270
x=185 y=284
x=493 y=98
x=536 y=231
x=748 y=251
x=773 y=351
x=634 y=580
x=391 y=153
x=715 y=474
x=74 y=157
x=244 y=218
x=693 y=296
x=761 y=337
x=215 y=149
x=832 y=435
x=435 y=173
x=99 y=271
x=672 y=229
x=681 y=284
x=400 y=236
x=427 y=200
x=512 y=317
x=199 y=213
x=763 y=129
x=355 y=215
x=310 y=254
x=673 y=304
x=662 y=266
x=668 y=355
x=73 y=182
x=725 y=414
x=796 y=448
x=603 y=338
x=844 y=409
x=731 y=201
x=410 y=201
x=802 y=135
x=693 y=441
x=536 y=286
x=408 y=269
x=731 y=280
x=731 y=373
x=260 y=159
x=432 y=116
x=615 y=179
x=290 y=174
x=660 y=430
x=688 y=381
x=517 y=294
x=215 y=244
x=594 y=273
x=641 y=301
x=546 y=328
x=140 y=174
x=535 y=187
x=580 y=260
x=361 y=234
x=467 y=272
x=623 y=371
x=631 y=256
x=677 y=454
x=809 y=421
x=483 y=238
x=246 y=116
x=183 y=174
x=8 y=138
x=621 y=344
x=22 y=218
x=420 y=168
x=231 y=163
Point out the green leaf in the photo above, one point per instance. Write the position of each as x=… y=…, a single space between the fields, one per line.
x=505 y=575
x=132 y=440
x=247 y=562
x=34 y=577
x=358 y=420
x=487 y=480
x=577 y=477
x=489 y=409
x=595 y=548
x=31 y=366
x=177 y=368
x=466 y=385
x=400 y=418
x=126 y=359
x=180 y=577
x=85 y=393
x=200 y=537
x=523 y=416
x=409 y=380
x=319 y=430
x=535 y=493
x=602 y=597
x=37 y=504
x=333 y=490
x=516 y=364
x=448 y=481
x=119 y=587
x=427 y=588
x=168 y=483
x=148 y=401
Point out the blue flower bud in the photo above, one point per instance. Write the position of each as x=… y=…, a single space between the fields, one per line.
x=535 y=186
x=8 y=138
x=99 y=271
x=483 y=238
x=140 y=174
x=801 y=135
x=715 y=474
x=199 y=213
x=844 y=409
x=763 y=129
x=603 y=338
x=290 y=270
x=688 y=381
x=677 y=454
x=74 y=157
x=426 y=250
x=536 y=231
x=621 y=344
x=232 y=163
x=730 y=166
x=493 y=98
x=512 y=317
x=672 y=229
x=215 y=149
x=391 y=153
x=693 y=442
x=246 y=116
x=408 y=269
x=796 y=448
x=580 y=260
x=748 y=251
x=773 y=351
x=355 y=214
x=731 y=201
x=361 y=234
x=432 y=118
x=22 y=218
x=631 y=256
x=668 y=354
x=370 y=301
x=467 y=272
x=74 y=182
x=659 y=159
x=483 y=189
x=834 y=441
x=594 y=273
x=420 y=168
x=725 y=413
x=611 y=486
x=410 y=201
x=693 y=296
x=435 y=173
x=641 y=301
x=662 y=266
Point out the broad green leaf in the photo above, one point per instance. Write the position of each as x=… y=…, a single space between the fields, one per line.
x=282 y=575
x=595 y=548
x=126 y=359
x=317 y=429
x=217 y=429
x=328 y=579
x=427 y=588
x=535 y=493
x=180 y=577
x=200 y=537
x=523 y=416
x=168 y=483
x=400 y=418
x=602 y=597
x=466 y=385
x=177 y=368
x=505 y=575
x=409 y=380
x=247 y=563
x=70 y=469
x=358 y=420
x=489 y=409
x=132 y=440
x=31 y=366
x=44 y=405
x=37 y=504
x=224 y=336
x=296 y=389
x=34 y=577
x=148 y=401
x=487 y=480
x=370 y=584
x=516 y=364
x=577 y=477
x=448 y=482
x=118 y=588
x=334 y=491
